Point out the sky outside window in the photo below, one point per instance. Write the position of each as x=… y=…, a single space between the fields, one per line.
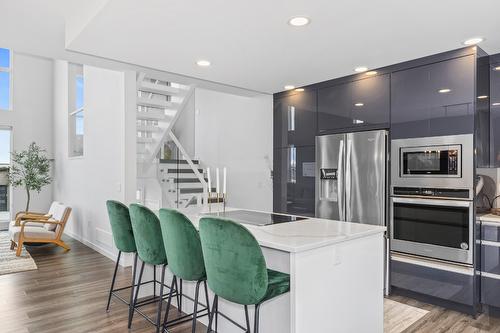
x=79 y=92
x=4 y=79
x=4 y=58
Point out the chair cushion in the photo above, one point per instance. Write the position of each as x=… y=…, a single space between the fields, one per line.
x=279 y=283
x=57 y=215
x=31 y=233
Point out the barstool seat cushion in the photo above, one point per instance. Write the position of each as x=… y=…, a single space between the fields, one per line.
x=278 y=284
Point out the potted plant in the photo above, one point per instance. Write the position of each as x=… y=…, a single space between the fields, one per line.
x=30 y=169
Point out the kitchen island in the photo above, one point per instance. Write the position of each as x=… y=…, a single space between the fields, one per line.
x=336 y=277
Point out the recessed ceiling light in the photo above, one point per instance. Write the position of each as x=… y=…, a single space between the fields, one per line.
x=289 y=87
x=203 y=63
x=496 y=104
x=360 y=69
x=371 y=73
x=473 y=41
x=482 y=97
x=299 y=21
x=359 y=104
x=299 y=89
x=444 y=91
x=496 y=68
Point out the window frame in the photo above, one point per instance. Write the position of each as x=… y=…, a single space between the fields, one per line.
x=10 y=71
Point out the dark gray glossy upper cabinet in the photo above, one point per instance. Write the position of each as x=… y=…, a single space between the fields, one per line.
x=354 y=104
x=293 y=180
x=435 y=99
x=295 y=119
x=495 y=114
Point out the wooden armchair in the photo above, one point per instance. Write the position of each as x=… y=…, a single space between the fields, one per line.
x=50 y=230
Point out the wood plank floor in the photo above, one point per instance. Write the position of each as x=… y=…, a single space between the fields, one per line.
x=68 y=294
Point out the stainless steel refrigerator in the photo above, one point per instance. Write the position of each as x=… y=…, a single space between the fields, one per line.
x=351 y=177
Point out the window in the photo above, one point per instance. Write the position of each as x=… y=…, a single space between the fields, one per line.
x=76 y=109
x=5 y=79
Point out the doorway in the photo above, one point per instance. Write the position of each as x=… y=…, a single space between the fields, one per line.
x=5 y=150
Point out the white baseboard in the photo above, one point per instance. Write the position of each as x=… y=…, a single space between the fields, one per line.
x=124 y=262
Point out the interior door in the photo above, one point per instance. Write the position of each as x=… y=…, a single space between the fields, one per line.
x=330 y=174
x=366 y=177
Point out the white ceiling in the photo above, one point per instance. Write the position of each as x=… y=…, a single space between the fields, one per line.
x=250 y=43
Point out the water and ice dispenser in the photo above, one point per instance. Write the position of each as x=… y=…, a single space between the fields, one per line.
x=328 y=184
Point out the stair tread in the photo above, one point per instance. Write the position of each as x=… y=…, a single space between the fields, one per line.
x=193 y=190
x=174 y=161
x=187 y=180
x=183 y=170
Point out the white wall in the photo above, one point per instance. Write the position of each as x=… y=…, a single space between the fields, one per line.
x=85 y=183
x=31 y=118
x=237 y=132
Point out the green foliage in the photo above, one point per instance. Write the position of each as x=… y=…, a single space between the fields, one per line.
x=30 y=169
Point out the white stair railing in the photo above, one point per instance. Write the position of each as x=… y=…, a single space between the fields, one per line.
x=191 y=164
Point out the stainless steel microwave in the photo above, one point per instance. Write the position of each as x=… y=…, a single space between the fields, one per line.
x=439 y=162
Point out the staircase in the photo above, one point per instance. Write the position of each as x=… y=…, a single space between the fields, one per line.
x=180 y=183
x=159 y=105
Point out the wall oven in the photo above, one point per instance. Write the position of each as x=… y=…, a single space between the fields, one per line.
x=435 y=228
x=431 y=206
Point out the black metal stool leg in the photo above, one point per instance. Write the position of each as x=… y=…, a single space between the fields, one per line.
x=134 y=272
x=195 y=310
x=216 y=315
x=180 y=297
x=154 y=279
x=206 y=296
x=212 y=313
x=256 y=323
x=132 y=305
x=177 y=297
x=247 y=319
x=169 y=302
x=113 y=280
x=160 y=301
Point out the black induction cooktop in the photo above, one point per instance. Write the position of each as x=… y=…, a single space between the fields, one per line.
x=256 y=218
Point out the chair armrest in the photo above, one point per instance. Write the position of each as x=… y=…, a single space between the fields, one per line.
x=31 y=216
x=29 y=213
x=39 y=221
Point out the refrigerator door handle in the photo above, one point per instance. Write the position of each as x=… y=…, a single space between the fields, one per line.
x=340 y=186
x=347 y=215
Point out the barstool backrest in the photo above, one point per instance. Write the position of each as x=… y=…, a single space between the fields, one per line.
x=182 y=245
x=147 y=234
x=121 y=227
x=236 y=268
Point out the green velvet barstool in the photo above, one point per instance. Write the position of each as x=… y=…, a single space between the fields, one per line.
x=123 y=237
x=151 y=250
x=236 y=268
x=185 y=257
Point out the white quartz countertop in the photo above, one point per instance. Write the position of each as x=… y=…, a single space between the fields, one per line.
x=301 y=235
x=492 y=218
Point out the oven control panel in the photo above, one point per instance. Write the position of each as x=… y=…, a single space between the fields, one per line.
x=432 y=192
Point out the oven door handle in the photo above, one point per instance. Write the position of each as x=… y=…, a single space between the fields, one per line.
x=433 y=202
